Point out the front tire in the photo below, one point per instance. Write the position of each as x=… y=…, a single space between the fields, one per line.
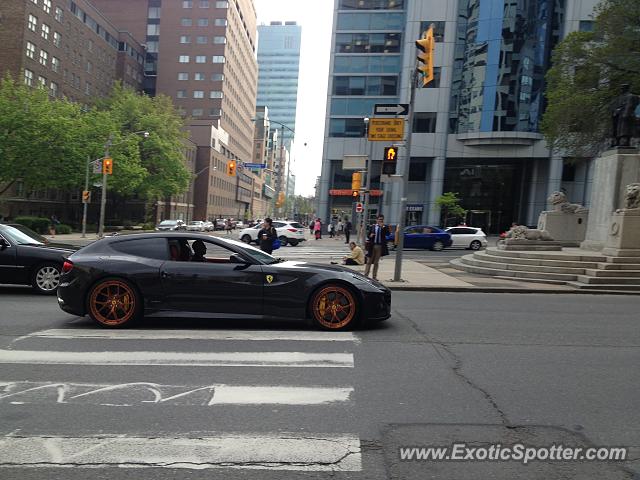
x=283 y=241
x=46 y=278
x=334 y=307
x=438 y=246
x=246 y=239
x=114 y=303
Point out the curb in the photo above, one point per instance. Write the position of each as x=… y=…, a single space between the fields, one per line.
x=408 y=288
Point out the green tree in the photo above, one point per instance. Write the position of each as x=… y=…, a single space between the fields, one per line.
x=588 y=69
x=449 y=204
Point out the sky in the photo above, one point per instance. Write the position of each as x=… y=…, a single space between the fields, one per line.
x=315 y=17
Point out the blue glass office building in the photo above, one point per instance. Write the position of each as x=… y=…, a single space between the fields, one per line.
x=278 y=68
x=476 y=127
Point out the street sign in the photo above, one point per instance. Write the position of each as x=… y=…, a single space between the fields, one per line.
x=391 y=109
x=386 y=130
x=97 y=166
x=354 y=162
x=254 y=165
x=359 y=207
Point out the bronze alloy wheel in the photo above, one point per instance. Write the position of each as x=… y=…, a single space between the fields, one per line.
x=334 y=307
x=113 y=303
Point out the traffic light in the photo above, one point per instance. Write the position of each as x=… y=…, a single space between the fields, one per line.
x=426 y=46
x=231 y=168
x=107 y=166
x=280 y=200
x=389 y=160
x=86 y=196
x=355 y=194
x=356 y=180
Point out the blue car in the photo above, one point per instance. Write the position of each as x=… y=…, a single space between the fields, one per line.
x=423 y=236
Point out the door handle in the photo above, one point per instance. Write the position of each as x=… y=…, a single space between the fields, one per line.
x=164 y=274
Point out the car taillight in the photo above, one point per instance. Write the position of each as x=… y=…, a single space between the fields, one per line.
x=67 y=266
x=292 y=230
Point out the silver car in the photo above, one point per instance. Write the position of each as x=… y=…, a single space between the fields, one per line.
x=170 y=225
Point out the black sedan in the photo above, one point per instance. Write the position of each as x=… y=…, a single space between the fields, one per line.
x=26 y=258
x=119 y=279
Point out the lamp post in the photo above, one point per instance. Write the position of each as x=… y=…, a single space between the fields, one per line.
x=103 y=199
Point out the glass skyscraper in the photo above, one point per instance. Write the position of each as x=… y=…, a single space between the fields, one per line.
x=278 y=69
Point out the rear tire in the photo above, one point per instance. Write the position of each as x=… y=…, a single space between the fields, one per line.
x=246 y=238
x=334 y=307
x=293 y=243
x=46 y=278
x=114 y=303
x=283 y=241
x=475 y=245
x=438 y=246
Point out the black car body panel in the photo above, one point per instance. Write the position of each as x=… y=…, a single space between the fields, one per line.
x=18 y=261
x=249 y=289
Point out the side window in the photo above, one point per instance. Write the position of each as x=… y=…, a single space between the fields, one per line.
x=414 y=230
x=454 y=231
x=155 y=248
x=278 y=224
x=208 y=252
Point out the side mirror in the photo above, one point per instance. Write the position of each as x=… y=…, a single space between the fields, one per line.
x=236 y=258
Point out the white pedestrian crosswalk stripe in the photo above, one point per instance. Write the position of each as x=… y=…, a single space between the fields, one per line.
x=265 y=452
x=235 y=448
x=189 y=359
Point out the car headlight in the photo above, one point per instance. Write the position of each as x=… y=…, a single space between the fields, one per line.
x=362 y=278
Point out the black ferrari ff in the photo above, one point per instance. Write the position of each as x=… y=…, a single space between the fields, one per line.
x=119 y=279
x=27 y=258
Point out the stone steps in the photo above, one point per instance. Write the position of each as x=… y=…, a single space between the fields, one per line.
x=609 y=280
x=570 y=272
x=618 y=266
x=490 y=257
x=461 y=264
x=596 y=272
x=547 y=256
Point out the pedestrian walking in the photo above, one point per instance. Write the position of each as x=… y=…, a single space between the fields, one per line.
x=376 y=245
x=228 y=226
x=317 y=229
x=340 y=228
x=332 y=230
x=267 y=235
x=347 y=230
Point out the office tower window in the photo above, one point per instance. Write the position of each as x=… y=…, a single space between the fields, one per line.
x=218 y=59
x=152 y=46
x=198 y=94
x=181 y=94
x=183 y=58
x=215 y=94
x=44 y=31
x=197 y=112
x=153 y=29
x=28 y=77
x=368 y=42
x=183 y=76
x=56 y=39
x=217 y=77
x=187 y=3
x=31 y=50
x=222 y=4
x=44 y=57
x=346 y=127
x=55 y=64
x=46 y=6
x=42 y=82
x=185 y=39
x=204 y=4
x=203 y=22
x=219 y=40
x=153 y=12
x=220 y=22
x=586 y=26
x=371 y=4
x=424 y=122
x=202 y=39
x=198 y=76
x=438 y=29
x=201 y=59
x=59 y=14
x=33 y=23
x=365 y=85
x=53 y=89
x=186 y=22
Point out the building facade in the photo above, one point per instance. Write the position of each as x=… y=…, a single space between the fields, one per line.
x=278 y=71
x=476 y=126
x=202 y=54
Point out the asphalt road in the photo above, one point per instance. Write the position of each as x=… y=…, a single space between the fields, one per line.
x=277 y=400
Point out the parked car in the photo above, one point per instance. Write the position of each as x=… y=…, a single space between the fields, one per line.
x=289 y=232
x=26 y=260
x=468 y=237
x=220 y=223
x=239 y=224
x=423 y=236
x=196 y=226
x=170 y=225
x=208 y=226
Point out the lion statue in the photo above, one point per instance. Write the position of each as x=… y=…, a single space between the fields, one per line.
x=520 y=232
x=632 y=196
x=561 y=204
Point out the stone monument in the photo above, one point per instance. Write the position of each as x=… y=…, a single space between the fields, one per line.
x=567 y=222
x=623 y=238
x=523 y=238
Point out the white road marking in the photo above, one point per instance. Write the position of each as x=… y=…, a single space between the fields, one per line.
x=149 y=334
x=190 y=359
x=144 y=393
x=264 y=452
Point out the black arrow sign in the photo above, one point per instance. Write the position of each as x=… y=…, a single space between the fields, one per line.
x=391 y=109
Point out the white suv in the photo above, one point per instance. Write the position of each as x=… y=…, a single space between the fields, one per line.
x=289 y=232
x=467 y=237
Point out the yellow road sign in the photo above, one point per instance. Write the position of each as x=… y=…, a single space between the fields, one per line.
x=386 y=130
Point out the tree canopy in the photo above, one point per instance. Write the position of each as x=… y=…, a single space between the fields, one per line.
x=588 y=70
x=46 y=142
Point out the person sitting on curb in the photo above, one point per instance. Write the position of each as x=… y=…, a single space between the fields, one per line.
x=356 y=257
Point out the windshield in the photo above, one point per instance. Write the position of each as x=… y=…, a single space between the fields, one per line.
x=253 y=252
x=17 y=237
x=30 y=233
x=196 y=223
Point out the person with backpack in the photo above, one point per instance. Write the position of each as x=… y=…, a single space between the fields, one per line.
x=267 y=235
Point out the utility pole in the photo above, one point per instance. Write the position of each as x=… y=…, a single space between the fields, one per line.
x=85 y=204
x=367 y=189
x=103 y=198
